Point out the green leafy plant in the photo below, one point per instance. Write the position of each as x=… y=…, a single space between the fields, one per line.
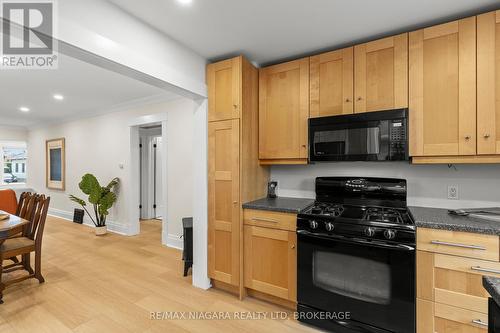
x=100 y=197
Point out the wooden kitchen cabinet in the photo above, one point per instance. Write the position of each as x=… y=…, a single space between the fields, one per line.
x=224 y=89
x=270 y=257
x=450 y=268
x=224 y=201
x=234 y=176
x=442 y=71
x=284 y=113
x=381 y=74
x=488 y=83
x=332 y=83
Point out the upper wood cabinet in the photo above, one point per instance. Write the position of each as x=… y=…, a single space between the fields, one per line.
x=381 y=74
x=332 y=83
x=223 y=80
x=443 y=89
x=284 y=112
x=488 y=83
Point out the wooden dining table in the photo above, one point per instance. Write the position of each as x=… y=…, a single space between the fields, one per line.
x=9 y=227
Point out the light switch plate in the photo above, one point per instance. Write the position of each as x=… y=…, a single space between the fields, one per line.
x=453 y=192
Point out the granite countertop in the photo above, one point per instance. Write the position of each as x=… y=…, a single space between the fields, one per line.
x=280 y=204
x=492 y=286
x=438 y=218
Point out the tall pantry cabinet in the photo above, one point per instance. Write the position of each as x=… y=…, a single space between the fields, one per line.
x=234 y=173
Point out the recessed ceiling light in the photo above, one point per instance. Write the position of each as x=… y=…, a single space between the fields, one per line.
x=59 y=97
x=24 y=109
x=185 y=2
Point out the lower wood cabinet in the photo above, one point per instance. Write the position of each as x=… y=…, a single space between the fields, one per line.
x=450 y=268
x=270 y=261
x=270 y=253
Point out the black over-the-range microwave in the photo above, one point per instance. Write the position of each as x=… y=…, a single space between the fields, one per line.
x=369 y=136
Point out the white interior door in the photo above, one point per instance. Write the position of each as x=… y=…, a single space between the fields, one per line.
x=158 y=178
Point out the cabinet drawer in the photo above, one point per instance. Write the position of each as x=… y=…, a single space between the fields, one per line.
x=452 y=319
x=269 y=219
x=458 y=243
x=458 y=280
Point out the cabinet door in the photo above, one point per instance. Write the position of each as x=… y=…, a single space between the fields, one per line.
x=488 y=83
x=271 y=261
x=223 y=81
x=223 y=201
x=425 y=316
x=381 y=74
x=284 y=110
x=443 y=89
x=331 y=86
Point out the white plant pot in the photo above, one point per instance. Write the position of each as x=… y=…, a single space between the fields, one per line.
x=99 y=231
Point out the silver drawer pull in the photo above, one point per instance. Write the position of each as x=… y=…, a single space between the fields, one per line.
x=486 y=270
x=479 y=322
x=261 y=219
x=475 y=247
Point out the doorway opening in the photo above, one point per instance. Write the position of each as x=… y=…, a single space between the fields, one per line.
x=150 y=169
x=148 y=153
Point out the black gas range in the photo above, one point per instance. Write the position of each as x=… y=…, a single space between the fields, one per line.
x=356 y=257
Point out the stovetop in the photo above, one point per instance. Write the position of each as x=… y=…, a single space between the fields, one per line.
x=359 y=214
x=395 y=225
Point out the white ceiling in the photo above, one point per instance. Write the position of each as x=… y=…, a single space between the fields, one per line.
x=88 y=90
x=267 y=31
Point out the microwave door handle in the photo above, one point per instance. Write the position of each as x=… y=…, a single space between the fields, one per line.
x=357 y=241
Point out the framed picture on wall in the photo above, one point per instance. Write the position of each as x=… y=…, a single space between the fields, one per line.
x=55 y=161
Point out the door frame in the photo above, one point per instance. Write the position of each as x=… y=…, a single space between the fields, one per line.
x=134 y=214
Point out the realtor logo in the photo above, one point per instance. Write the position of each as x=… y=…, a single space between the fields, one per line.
x=27 y=41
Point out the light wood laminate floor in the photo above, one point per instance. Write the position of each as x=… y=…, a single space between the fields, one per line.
x=112 y=283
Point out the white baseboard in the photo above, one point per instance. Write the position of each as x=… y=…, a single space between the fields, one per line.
x=114 y=227
x=175 y=241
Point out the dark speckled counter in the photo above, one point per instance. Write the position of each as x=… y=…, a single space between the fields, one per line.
x=492 y=286
x=438 y=218
x=280 y=204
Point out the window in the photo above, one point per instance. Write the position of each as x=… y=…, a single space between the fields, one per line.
x=13 y=157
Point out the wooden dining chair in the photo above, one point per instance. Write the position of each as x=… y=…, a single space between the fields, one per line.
x=31 y=241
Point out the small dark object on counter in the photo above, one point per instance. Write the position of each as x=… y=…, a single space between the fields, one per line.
x=187 y=253
x=78 y=215
x=271 y=189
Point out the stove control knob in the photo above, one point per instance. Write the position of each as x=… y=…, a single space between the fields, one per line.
x=390 y=234
x=370 y=232
x=313 y=224
x=329 y=226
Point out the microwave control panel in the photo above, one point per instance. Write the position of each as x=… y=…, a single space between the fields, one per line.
x=398 y=135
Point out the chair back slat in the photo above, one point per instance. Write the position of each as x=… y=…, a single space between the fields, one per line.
x=29 y=206
x=35 y=231
x=21 y=202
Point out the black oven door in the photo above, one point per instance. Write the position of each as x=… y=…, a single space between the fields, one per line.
x=374 y=283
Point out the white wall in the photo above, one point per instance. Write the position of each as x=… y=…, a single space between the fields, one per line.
x=479 y=185
x=98 y=145
x=13 y=134
x=101 y=28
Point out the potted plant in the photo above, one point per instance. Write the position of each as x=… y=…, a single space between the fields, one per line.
x=101 y=197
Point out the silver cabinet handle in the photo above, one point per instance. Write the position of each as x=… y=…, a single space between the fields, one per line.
x=479 y=322
x=475 y=247
x=261 y=219
x=486 y=270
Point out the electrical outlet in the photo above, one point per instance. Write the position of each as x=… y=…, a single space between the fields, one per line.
x=453 y=192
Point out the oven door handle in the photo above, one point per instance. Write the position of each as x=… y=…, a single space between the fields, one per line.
x=402 y=247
